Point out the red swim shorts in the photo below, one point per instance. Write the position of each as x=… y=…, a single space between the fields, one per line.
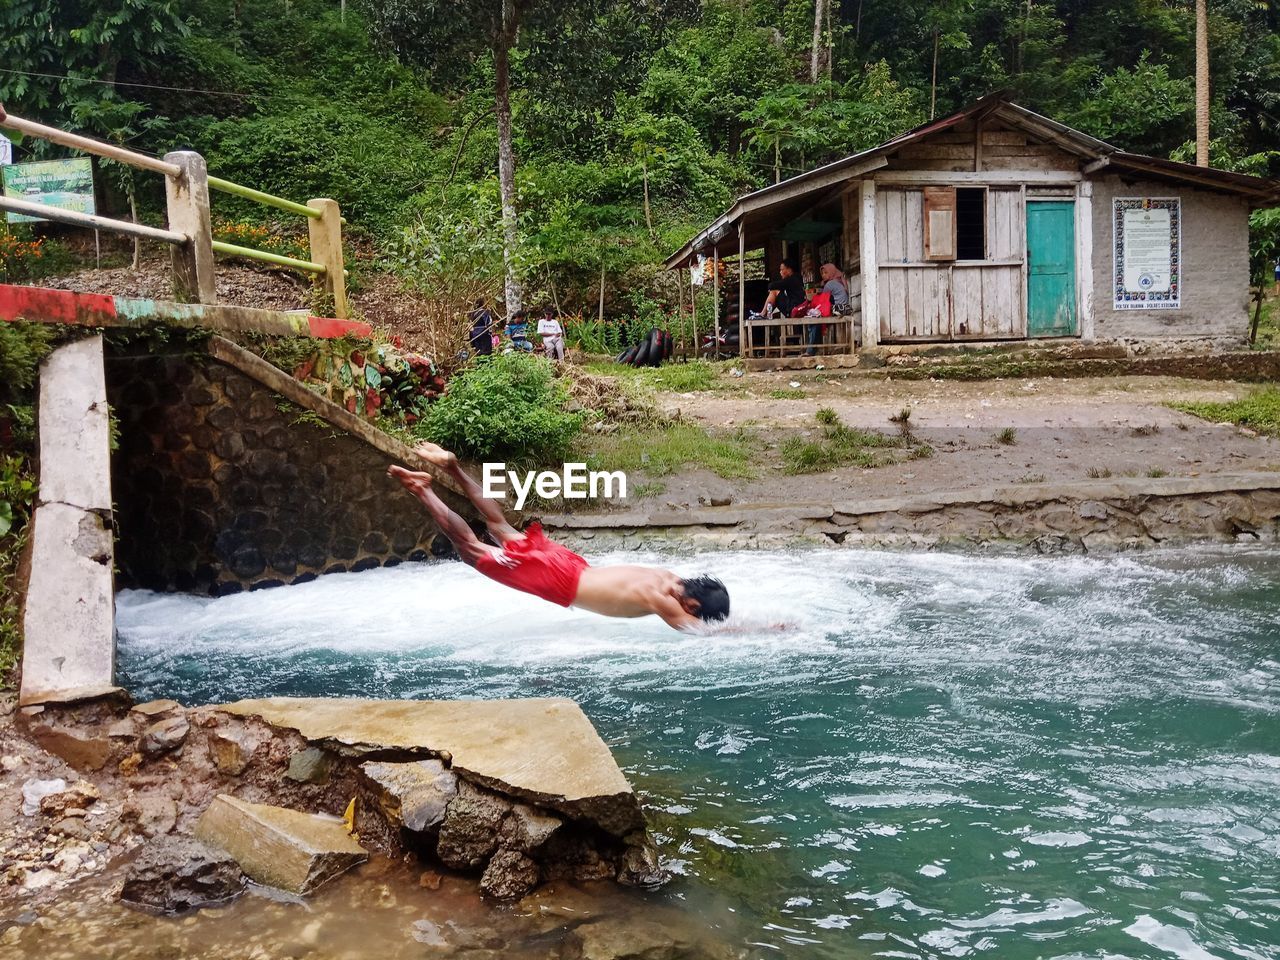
x=536 y=565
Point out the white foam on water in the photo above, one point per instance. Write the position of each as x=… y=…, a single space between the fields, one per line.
x=918 y=709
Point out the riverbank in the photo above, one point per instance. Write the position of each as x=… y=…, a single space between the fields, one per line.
x=972 y=434
x=100 y=799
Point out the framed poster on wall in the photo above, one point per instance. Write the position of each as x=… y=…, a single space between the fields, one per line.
x=1147 y=268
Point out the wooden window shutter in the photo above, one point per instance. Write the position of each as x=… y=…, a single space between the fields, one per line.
x=939 y=223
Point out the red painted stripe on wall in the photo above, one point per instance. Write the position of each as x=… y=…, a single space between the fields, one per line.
x=328 y=328
x=42 y=305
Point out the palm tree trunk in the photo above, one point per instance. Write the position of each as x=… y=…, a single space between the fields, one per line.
x=506 y=155
x=777 y=160
x=1202 y=83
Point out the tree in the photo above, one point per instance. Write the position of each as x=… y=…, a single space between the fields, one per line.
x=445 y=35
x=782 y=120
x=820 y=8
x=62 y=59
x=1202 y=83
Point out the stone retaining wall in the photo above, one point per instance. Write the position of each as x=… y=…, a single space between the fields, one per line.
x=1085 y=516
x=223 y=484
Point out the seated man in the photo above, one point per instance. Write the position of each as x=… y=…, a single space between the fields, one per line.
x=530 y=562
x=786 y=293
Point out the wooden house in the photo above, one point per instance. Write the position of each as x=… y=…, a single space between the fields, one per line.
x=998 y=224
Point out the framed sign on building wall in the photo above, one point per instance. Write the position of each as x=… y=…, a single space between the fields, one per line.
x=1147 y=267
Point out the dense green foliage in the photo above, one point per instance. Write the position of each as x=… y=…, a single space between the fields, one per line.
x=505 y=407
x=634 y=123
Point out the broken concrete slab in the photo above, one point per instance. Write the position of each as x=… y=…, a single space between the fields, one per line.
x=541 y=750
x=276 y=847
x=411 y=795
x=69 y=617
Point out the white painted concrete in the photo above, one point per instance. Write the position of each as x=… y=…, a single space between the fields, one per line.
x=75 y=465
x=69 y=614
x=69 y=619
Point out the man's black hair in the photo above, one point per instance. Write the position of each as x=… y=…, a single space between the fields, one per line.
x=712 y=597
x=790 y=264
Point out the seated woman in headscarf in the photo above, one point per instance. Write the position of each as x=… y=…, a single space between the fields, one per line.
x=835 y=283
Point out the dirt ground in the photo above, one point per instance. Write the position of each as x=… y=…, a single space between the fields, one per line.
x=1064 y=429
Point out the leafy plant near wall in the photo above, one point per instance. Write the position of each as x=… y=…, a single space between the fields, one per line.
x=22 y=348
x=506 y=407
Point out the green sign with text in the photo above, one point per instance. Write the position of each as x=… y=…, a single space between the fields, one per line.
x=67 y=184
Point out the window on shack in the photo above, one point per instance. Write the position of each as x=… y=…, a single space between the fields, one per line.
x=971 y=223
x=955 y=223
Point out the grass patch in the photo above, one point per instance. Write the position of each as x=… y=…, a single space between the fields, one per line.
x=843 y=446
x=1007 y=437
x=1157 y=472
x=1259 y=411
x=652 y=488
x=1098 y=473
x=691 y=377
x=1031 y=478
x=1268 y=326
x=661 y=451
x=786 y=394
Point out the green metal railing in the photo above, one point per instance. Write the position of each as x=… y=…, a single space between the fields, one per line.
x=226 y=186
x=276 y=258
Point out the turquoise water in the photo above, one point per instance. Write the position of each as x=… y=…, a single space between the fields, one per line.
x=944 y=756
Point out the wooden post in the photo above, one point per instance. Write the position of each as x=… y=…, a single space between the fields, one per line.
x=601 y=315
x=693 y=315
x=326 y=249
x=1084 y=259
x=715 y=281
x=187 y=197
x=870 y=266
x=742 y=288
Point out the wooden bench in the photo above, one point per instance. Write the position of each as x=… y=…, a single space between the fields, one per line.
x=790 y=336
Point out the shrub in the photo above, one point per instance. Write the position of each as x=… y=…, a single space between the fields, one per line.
x=509 y=407
x=22 y=347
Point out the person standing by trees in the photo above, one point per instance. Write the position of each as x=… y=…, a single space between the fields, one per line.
x=481 y=337
x=552 y=335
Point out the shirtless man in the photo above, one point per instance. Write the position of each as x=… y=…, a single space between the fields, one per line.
x=530 y=562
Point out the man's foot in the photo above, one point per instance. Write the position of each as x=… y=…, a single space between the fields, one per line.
x=436 y=455
x=413 y=481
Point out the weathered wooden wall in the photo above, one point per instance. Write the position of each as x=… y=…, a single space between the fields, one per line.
x=962 y=300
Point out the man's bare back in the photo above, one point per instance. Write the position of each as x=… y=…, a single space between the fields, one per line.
x=631 y=591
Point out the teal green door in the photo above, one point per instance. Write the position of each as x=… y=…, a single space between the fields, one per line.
x=1051 y=268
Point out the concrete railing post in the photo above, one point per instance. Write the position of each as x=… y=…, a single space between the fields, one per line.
x=326 y=249
x=188 y=209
